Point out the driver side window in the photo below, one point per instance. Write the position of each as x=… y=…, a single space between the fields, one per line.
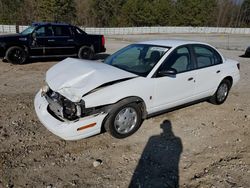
x=179 y=59
x=40 y=32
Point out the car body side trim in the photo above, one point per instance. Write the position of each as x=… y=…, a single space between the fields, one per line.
x=176 y=107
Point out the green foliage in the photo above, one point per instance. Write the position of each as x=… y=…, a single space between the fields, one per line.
x=195 y=12
x=9 y=11
x=245 y=17
x=106 y=12
x=114 y=13
x=56 y=10
x=146 y=12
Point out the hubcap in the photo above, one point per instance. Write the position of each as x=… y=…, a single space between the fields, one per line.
x=17 y=55
x=86 y=53
x=222 y=92
x=125 y=120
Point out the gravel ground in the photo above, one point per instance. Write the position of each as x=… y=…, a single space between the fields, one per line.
x=198 y=146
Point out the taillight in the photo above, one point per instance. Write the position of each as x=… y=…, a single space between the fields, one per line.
x=238 y=65
x=103 y=41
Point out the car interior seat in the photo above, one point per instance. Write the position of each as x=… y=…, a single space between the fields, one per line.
x=154 y=57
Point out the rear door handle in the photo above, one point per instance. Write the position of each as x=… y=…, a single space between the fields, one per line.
x=70 y=40
x=191 y=78
x=218 y=71
x=51 y=40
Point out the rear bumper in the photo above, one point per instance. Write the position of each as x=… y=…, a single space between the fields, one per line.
x=102 y=49
x=236 y=78
x=68 y=130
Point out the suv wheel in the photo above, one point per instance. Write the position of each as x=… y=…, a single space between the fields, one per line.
x=16 y=55
x=86 y=52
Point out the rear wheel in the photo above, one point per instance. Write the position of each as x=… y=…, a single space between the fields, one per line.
x=221 y=93
x=16 y=55
x=124 y=120
x=86 y=52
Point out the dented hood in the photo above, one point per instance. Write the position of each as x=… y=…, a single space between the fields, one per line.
x=73 y=78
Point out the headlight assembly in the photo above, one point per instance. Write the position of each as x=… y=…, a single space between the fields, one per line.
x=61 y=106
x=44 y=89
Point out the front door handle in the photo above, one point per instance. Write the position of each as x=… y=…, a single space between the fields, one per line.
x=70 y=40
x=51 y=40
x=218 y=71
x=191 y=78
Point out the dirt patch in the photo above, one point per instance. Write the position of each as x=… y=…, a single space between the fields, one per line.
x=199 y=146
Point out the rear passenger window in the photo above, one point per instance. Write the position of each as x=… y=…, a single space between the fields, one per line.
x=206 y=56
x=61 y=31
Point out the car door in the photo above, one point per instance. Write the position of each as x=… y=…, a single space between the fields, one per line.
x=176 y=89
x=38 y=41
x=63 y=42
x=209 y=70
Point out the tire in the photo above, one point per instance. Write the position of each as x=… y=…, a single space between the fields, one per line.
x=16 y=55
x=86 y=52
x=221 y=93
x=124 y=120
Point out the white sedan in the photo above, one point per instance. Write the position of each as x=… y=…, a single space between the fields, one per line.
x=82 y=97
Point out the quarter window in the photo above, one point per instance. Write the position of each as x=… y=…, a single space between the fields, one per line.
x=206 y=56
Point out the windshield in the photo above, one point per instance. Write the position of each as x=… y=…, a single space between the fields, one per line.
x=28 y=30
x=137 y=58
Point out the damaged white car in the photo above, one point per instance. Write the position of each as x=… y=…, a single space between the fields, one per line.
x=82 y=97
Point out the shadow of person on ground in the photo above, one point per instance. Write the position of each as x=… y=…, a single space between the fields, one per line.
x=159 y=162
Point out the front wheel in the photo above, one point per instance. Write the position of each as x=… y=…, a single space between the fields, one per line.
x=221 y=93
x=16 y=55
x=124 y=120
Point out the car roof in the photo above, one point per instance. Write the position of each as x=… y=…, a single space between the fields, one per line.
x=49 y=23
x=171 y=42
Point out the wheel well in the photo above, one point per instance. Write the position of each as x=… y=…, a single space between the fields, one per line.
x=87 y=46
x=137 y=100
x=127 y=100
x=20 y=46
x=230 y=79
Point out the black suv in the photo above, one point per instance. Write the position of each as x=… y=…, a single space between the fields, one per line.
x=50 y=40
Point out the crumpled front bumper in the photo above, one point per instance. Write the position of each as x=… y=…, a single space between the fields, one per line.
x=67 y=130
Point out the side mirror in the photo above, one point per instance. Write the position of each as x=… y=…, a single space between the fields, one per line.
x=170 y=72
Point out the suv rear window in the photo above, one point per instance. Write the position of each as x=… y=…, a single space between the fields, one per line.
x=61 y=31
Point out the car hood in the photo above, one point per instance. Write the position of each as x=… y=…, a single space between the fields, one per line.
x=10 y=36
x=73 y=78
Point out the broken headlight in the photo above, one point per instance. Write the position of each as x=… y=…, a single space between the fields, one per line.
x=69 y=109
x=63 y=107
